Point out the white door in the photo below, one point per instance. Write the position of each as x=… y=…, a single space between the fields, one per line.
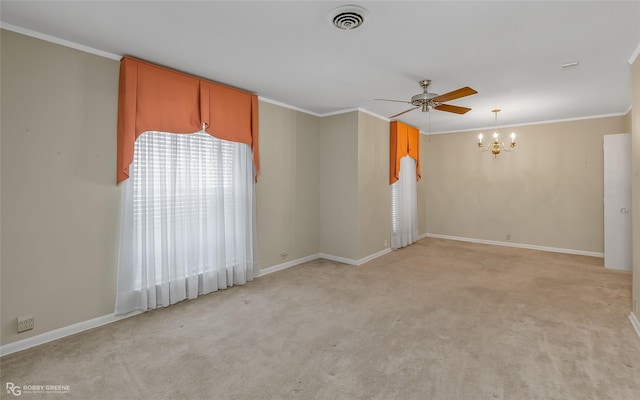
x=617 y=201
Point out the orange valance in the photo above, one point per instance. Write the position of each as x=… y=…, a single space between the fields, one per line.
x=152 y=98
x=405 y=140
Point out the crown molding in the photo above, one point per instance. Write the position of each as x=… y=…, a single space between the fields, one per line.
x=91 y=50
x=62 y=42
x=289 y=106
x=635 y=55
x=364 y=110
x=538 y=122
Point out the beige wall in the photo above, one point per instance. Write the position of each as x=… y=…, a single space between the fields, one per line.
x=60 y=204
x=547 y=193
x=61 y=208
x=338 y=207
x=306 y=190
x=287 y=190
x=425 y=141
x=627 y=122
x=635 y=143
x=374 y=192
x=354 y=192
x=323 y=185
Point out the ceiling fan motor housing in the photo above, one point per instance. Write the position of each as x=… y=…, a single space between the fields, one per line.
x=422 y=98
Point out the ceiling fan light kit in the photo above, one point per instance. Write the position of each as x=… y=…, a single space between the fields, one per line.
x=496 y=145
x=426 y=100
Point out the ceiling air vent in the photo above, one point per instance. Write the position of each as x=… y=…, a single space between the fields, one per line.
x=348 y=17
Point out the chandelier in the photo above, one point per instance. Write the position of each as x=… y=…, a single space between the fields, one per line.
x=496 y=145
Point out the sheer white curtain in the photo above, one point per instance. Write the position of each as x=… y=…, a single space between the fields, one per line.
x=188 y=220
x=404 y=205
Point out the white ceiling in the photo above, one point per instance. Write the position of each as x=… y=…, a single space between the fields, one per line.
x=510 y=52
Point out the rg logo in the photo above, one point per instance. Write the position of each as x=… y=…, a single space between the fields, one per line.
x=13 y=389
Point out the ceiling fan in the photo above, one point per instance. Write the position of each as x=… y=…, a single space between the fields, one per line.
x=426 y=100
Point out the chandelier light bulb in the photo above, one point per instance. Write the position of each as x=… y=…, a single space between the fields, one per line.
x=496 y=145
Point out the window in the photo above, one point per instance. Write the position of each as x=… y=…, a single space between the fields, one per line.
x=188 y=220
x=404 y=208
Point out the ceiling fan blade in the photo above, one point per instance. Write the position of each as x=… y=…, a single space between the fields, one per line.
x=456 y=94
x=396 y=101
x=453 y=109
x=406 y=111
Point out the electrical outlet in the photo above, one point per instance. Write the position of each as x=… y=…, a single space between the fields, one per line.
x=25 y=323
x=386 y=242
x=508 y=236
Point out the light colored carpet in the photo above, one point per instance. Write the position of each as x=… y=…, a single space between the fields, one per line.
x=437 y=320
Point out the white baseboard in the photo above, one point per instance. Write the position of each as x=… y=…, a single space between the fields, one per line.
x=351 y=261
x=288 y=264
x=62 y=332
x=635 y=322
x=519 y=245
x=107 y=319
x=374 y=256
x=343 y=260
x=619 y=269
